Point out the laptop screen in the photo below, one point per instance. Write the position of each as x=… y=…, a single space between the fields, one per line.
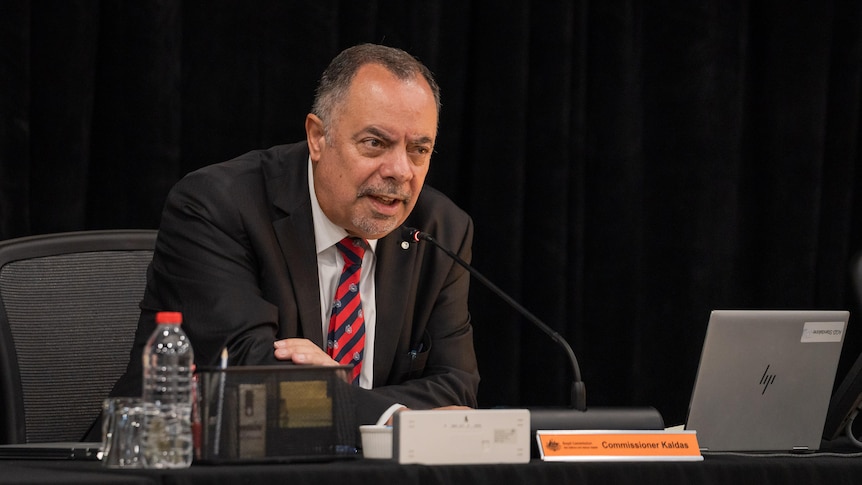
x=765 y=379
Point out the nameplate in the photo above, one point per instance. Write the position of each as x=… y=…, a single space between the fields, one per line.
x=594 y=445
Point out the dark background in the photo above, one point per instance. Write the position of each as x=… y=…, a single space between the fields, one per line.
x=630 y=165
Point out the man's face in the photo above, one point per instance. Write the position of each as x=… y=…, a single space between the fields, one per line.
x=368 y=177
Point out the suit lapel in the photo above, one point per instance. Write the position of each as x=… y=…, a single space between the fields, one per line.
x=287 y=185
x=395 y=265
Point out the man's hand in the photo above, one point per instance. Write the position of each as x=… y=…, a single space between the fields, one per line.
x=301 y=351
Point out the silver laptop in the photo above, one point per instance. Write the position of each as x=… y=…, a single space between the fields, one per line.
x=765 y=379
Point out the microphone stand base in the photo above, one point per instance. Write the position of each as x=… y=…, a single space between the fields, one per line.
x=604 y=418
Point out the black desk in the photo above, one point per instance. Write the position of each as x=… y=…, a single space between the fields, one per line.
x=822 y=468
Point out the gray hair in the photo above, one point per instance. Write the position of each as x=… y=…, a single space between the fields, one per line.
x=335 y=80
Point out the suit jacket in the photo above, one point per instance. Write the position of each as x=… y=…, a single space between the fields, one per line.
x=236 y=255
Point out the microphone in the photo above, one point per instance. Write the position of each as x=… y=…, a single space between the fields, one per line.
x=579 y=392
x=641 y=418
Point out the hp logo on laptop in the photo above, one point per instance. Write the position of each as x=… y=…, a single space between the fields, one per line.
x=766 y=379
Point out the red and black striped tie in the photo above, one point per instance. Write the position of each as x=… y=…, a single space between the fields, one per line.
x=345 y=341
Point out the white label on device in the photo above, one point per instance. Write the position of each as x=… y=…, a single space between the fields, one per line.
x=817 y=332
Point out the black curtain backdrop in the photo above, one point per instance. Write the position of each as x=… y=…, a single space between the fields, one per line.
x=630 y=165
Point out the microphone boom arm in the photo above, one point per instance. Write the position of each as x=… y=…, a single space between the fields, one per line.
x=578 y=389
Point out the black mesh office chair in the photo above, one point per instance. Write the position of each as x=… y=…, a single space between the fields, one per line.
x=68 y=312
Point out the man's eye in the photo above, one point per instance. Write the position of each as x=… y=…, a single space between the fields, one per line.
x=422 y=150
x=373 y=143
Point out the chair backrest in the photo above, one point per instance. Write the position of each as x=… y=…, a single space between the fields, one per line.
x=69 y=306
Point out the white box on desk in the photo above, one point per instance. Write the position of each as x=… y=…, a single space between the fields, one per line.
x=450 y=437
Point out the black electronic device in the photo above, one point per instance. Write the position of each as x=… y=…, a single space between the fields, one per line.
x=844 y=406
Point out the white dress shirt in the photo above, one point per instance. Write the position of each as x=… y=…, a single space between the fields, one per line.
x=329 y=265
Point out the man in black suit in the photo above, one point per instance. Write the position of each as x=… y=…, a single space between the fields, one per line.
x=246 y=248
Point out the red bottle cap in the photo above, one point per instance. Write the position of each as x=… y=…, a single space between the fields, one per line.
x=169 y=317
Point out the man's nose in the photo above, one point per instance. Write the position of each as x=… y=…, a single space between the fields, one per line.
x=397 y=165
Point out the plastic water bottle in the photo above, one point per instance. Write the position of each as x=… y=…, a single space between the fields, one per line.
x=168 y=359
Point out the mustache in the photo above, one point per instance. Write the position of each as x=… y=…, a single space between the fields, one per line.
x=388 y=189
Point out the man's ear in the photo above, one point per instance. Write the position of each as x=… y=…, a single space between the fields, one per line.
x=315 y=134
